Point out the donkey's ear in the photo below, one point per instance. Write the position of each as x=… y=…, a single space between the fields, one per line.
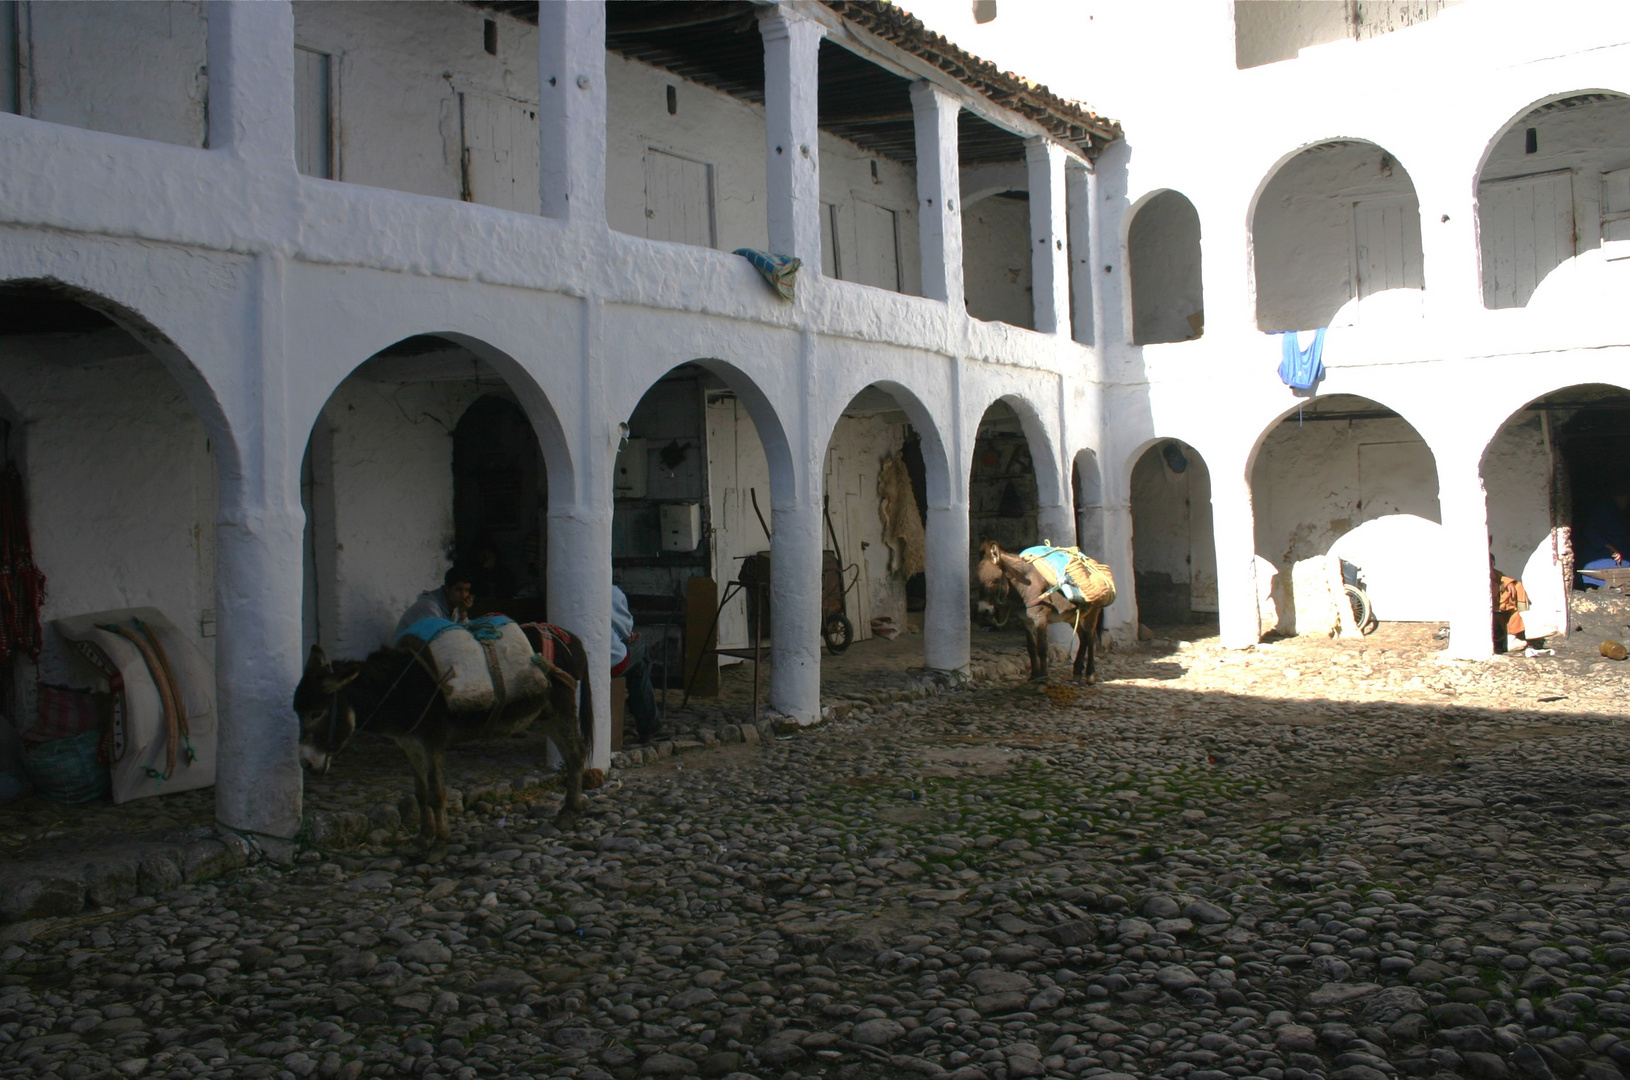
x=333 y=684
x=317 y=661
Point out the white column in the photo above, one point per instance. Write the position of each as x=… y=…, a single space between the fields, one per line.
x=791 y=112
x=795 y=600
x=1466 y=556
x=1449 y=250
x=1079 y=210
x=580 y=530
x=939 y=194
x=251 y=81
x=1234 y=533
x=580 y=595
x=945 y=620
x=1049 y=228
x=259 y=570
x=572 y=110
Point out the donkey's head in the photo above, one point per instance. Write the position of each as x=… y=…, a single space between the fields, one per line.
x=992 y=580
x=327 y=718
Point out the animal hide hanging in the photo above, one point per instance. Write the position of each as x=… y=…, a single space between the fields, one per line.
x=902 y=524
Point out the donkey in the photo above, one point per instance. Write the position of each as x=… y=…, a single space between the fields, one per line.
x=1002 y=574
x=393 y=694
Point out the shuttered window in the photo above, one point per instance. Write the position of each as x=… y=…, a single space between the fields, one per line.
x=313 y=115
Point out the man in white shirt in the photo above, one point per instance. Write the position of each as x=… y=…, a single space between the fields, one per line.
x=451 y=602
x=630 y=659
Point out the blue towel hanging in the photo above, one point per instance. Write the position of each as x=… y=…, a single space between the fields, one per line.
x=1300 y=368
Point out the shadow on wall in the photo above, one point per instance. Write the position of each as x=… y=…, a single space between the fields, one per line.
x=1174 y=558
x=1163 y=253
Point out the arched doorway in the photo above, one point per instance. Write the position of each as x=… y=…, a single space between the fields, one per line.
x=1003 y=503
x=1335 y=222
x=421 y=458
x=1087 y=483
x=117 y=488
x=1555 y=483
x=1163 y=262
x=1344 y=476
x=1173 y=554
x=876 y=499
x=1554 y=185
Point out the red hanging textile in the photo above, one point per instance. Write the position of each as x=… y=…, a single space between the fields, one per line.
x=22 y=585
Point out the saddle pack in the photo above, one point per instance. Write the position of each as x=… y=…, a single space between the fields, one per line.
x=486 y=666
x=1081 y=581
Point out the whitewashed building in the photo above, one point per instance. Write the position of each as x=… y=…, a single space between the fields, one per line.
x=299 y=301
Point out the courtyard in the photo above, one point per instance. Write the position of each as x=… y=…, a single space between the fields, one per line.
x=1352 y=859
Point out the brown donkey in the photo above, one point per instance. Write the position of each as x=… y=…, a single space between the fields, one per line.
x=1002 y=575
x=392 y=693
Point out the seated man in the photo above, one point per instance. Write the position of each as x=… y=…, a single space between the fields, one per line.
x=629 y=657
x=451 y=601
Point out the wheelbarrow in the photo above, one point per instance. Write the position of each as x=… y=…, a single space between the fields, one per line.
x=836 y=582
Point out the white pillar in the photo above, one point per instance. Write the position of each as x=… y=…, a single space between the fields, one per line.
x=1049 y=229
x=260 y=565
x=258 y=568
x=251 y=81
x=1079 y=210
x=1234 y=534
x=580 y=596
x=946 y=634
x=939 y=194
x=1466 y=535
x=795 y=599
x=572 y=110
x=793 y=163
x=580 y=530
x=1449 y=253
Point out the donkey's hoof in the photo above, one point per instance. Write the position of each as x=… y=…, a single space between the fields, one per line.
x=1039 y=676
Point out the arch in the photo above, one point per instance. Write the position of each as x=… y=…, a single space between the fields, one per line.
x=1174 y=560
x=1536 y=188
x=1087 y=484
x=1344 y=475
x=1334 y=221
x=382 y=448
x=1551 y=474
x=1163 y=265
x=161 y=343
x=559 y=459
x=122 y=479
x=1051 y=489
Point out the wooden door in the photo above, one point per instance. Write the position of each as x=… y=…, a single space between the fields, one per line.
x=1386 y=245
x=1527 y=230
x=500 y=152
x=877 y=247
x=678 y=199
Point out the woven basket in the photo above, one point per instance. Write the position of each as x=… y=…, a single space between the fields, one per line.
x=66 y=770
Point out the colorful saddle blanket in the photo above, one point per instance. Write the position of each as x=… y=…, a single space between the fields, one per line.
x=1081 y=580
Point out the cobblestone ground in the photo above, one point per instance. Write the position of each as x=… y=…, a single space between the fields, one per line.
x=1348 y=860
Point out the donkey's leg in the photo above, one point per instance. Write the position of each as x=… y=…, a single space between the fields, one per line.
x=1089 y=642
x=561 y=719
x=438 y=792
x=420 y=762
x=1038 y=647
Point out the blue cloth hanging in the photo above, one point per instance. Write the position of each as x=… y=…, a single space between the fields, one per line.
x=1300 y=368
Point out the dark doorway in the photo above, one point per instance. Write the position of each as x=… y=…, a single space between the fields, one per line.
x=500 y=502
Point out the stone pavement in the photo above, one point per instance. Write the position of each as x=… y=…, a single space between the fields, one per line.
x=1350 y=860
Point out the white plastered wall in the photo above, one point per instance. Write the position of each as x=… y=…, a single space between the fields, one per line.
x=391 y=465
x=996 y=260
x=120 y=484
x=1303 y=236
x=1163 y=262
x=1517 y=470
x=135 y=68
x=1315 y=481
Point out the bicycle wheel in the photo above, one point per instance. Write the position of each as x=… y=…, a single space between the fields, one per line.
x=1360 y=602
x=838 y=632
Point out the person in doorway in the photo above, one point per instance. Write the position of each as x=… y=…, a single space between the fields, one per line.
x=451 y=602
x=1604 y=538
x=629 y=658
